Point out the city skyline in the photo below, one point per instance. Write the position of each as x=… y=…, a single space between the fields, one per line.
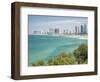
x=43 y=24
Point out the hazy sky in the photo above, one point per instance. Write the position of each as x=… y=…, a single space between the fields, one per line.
x=44 y=23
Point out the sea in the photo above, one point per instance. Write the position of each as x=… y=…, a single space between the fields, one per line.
x=43 y=47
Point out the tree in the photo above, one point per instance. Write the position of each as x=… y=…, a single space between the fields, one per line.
x=81 y=54
x=62 y=59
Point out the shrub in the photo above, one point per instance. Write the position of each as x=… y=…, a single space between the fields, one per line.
x=81 y=54
x=62 y=59
x=39 y=63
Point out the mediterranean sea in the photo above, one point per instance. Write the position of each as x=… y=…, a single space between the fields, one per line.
x=43 y=47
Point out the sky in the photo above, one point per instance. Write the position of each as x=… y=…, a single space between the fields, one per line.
x=43 y=23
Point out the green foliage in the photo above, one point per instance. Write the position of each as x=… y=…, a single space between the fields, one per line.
x=81 y=54
x=39 y=63
x=62 y=59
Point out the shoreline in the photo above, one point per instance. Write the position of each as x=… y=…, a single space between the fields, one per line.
x=84 y=37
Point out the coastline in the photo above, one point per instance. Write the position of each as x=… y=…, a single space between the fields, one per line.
x=84 y=37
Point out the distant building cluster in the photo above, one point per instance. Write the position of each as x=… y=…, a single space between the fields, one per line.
x=81 y=30
x=53 y=31
x=36 y=32
x=78 y=30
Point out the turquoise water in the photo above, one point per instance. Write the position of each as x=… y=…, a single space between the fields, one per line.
x=44 y=47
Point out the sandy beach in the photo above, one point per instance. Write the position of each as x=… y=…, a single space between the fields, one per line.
x=85 y=37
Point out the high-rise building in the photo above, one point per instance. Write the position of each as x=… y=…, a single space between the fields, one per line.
x=37 y=32
x=51 y=30
x=85 y=29
x=82 y=29
x=56 y=31
x=78 y=31
x=75 y=29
